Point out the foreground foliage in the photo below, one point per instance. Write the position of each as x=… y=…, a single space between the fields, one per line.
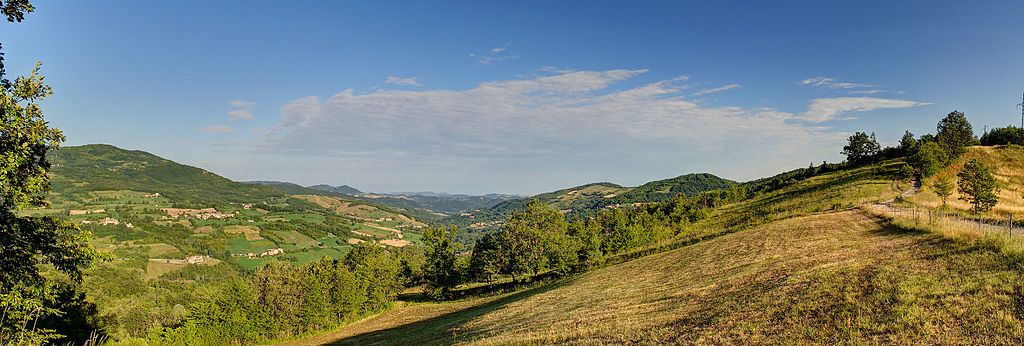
x=282 y=300
x=29 y=243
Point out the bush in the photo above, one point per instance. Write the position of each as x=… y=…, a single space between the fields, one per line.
x=1003 y=136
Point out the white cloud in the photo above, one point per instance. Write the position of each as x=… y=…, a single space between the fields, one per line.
x=832 y=83
x=866 y=92
x=218 y=129
x=494 y=55
x=242 y=110
x=241 y=104
x=562 y=117
x=411 y=81
x=726 y=87
x=826 y=109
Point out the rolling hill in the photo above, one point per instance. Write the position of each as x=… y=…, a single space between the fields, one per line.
x=78 y=170
x=428 y=206
x=343 y=189
x=803 y=262
x=442 y=204
x=1008 y=168
x=585 y=200
x=131 y=199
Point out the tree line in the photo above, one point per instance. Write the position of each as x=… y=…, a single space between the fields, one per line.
x=282 y=300
x=929 y=154
x=540 y=240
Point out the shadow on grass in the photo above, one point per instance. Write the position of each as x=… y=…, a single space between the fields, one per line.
x=484 y=290
x=440 y=330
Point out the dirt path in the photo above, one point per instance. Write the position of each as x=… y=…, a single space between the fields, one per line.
x=914 y=189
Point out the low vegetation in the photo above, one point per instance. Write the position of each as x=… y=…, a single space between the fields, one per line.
x=141 y=250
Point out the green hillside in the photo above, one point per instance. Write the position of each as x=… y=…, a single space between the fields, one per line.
x=805 y=260
x=833 y=278
x=439 y=204
x=291 y=188
x=343 y=189
x=173 y=232
x=587 y=200
x=78 y=170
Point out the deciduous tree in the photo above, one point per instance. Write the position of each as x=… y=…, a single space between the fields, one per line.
x=26 y=243
x=943 y=187
x=978 y=186
x=954 y=135
x=441 y=271
x=929 y=158
x=860 y=148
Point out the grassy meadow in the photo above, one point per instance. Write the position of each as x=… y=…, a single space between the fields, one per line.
x=804 y=264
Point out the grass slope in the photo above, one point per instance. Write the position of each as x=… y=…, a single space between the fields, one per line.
x=1008 y=167
x=824 y=278
x=800 y=264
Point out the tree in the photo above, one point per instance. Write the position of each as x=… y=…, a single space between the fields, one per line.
x=526 y=236
x=978 y=186
x=587 y=234
x=380 y=270
x=908 y=145
x=905 y=172
x=488 y=258
x=943 y=188
x=861 y=148
x=26 y=243
x=1003 y=135
x=928 y=158
x=954 y=135
x=441 y=271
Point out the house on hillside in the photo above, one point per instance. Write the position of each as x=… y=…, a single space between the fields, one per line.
x=196 y=259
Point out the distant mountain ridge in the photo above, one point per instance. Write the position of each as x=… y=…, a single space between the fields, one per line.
x=343 y=189
x=587 y=199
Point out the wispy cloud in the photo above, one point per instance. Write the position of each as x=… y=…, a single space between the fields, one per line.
x=218 y=129
x=410 y=81
x=242 y=110
x=825 y=109
x=866 y=92
x=495 y=54
x=832 y=83
x=726 y=87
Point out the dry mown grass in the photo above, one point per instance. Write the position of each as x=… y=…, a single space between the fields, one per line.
x=827 y=278
x=792 y=272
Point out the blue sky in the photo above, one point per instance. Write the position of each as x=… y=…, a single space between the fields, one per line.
x=515 y=97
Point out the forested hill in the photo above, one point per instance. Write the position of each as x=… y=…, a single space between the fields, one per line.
x=585 y=200
x=343 y=189
x=441 y=204
x=296 y=189
x=99 y=167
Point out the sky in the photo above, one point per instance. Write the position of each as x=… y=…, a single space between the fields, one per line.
x=514 y=96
